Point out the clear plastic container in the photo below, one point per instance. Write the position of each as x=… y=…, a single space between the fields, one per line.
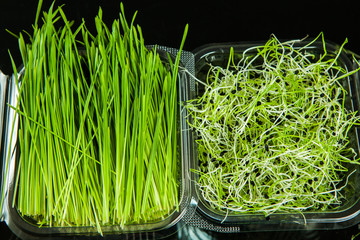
x=346 y=215
x=193 y=209
x=3 y=86
x=25 y=229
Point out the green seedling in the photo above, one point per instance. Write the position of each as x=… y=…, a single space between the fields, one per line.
x=272 y=130
x=97 y=142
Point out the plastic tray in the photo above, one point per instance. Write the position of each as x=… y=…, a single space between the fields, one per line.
x=212 y=219
x=24 y=229
x=194 y=210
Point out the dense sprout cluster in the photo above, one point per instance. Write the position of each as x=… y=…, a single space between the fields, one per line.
x=272 y=130
x=97 y=141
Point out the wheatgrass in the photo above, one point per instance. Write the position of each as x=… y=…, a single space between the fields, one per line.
x=97 y=125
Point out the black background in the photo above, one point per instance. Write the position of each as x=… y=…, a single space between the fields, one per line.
x=163 y=22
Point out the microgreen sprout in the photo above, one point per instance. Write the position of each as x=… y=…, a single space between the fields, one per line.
x=272 y=128
x=97 y=126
